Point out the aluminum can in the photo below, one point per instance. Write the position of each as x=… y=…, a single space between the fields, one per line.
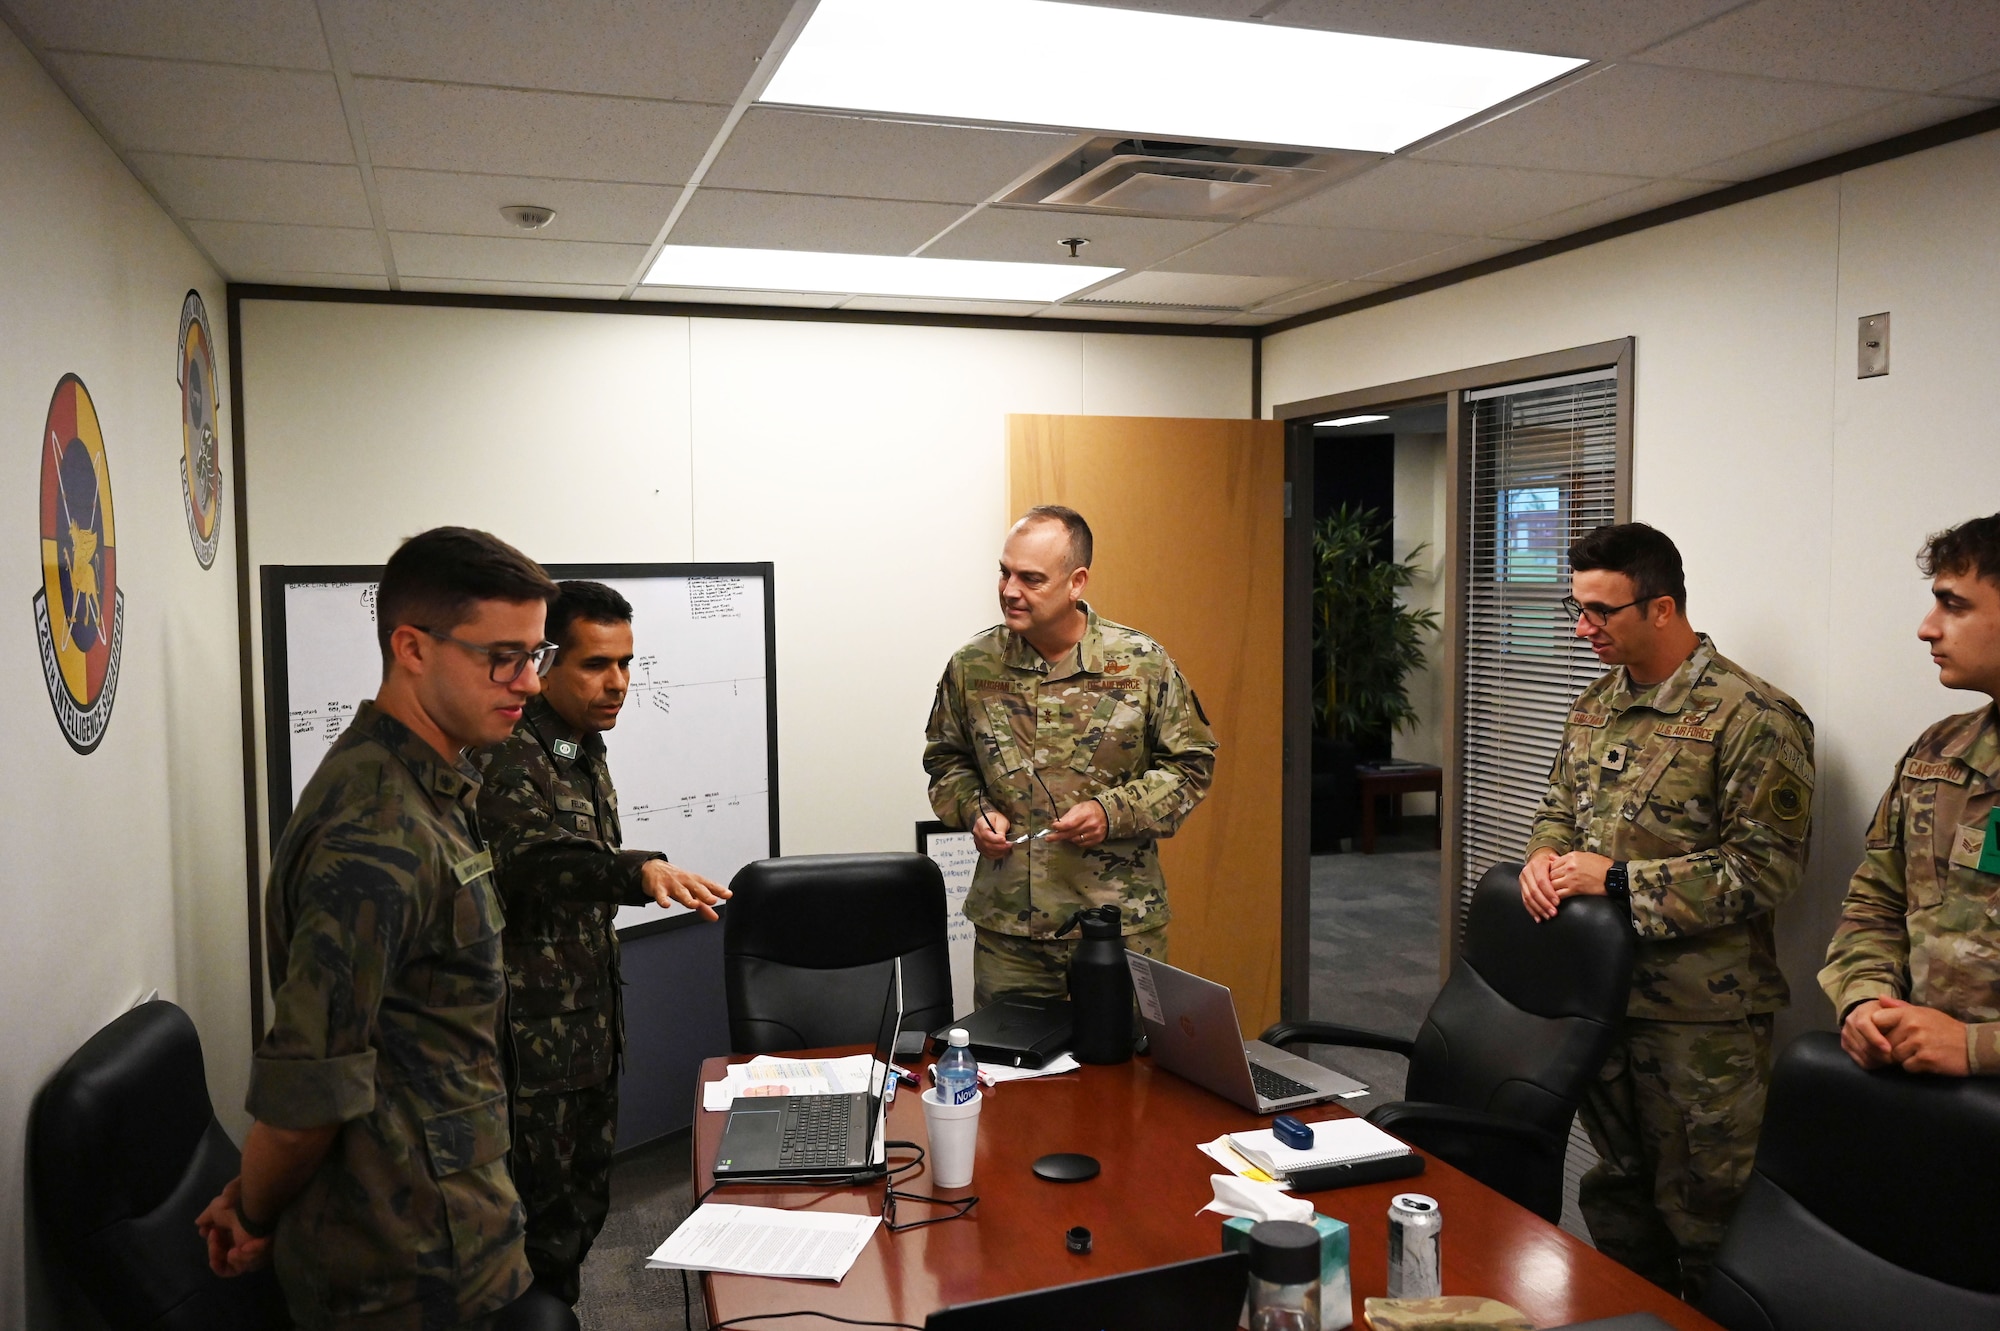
x=1415 y=1221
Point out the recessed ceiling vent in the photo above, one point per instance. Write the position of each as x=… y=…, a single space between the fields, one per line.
x=1163 y=178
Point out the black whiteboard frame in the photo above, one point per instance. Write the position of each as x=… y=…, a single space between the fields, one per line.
x=275 y=578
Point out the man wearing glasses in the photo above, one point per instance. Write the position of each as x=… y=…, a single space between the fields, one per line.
x=551 y=813
x=1068 y=745
x=1914 y=967
x=375 y=1174
x=1683 y=791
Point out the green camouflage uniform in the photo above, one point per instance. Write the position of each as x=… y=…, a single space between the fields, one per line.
x=384 y=930
x=549 y=808
x=1702 y=785
x=1922 y=917
x=1114 y=722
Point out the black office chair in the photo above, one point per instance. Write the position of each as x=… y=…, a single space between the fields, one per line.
x=125 y=1151
x=1511 y=1041
x=1875 y=1202
x=806 y=946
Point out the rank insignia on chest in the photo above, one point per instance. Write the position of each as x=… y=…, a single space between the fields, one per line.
x=564 y=748
x=1614 y=758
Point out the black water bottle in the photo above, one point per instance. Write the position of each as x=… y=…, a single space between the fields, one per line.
x=1100 y=987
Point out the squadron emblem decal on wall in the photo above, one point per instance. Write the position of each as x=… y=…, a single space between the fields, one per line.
x=201 y=458
x=79 y=611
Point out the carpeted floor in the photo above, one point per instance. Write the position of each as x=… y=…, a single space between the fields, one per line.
x=649 y=1199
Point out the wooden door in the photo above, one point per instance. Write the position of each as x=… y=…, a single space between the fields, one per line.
x=1189 y=520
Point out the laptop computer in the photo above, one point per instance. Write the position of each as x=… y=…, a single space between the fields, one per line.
x=1203 y=1294
x=1191 y=1031
x=815 y=1138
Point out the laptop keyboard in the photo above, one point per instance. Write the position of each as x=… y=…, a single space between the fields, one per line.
x=1276 y=1085
x=816 y=1132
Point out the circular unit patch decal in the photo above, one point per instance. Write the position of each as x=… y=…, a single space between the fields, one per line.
x=201 y=462
x=79 y=611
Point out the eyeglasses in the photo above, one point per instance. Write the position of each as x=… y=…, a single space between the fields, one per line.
x=503 y=664
x=1598 y=614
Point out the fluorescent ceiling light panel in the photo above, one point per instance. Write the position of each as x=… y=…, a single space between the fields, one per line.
x=1036 y=62
x=1352 y=420
x=869 y=274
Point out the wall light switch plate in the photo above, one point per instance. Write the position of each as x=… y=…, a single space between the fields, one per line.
x=1873 y=348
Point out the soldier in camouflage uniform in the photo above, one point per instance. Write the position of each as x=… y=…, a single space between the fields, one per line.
x=379 y=1150
x=1068 y=745
x=551 y=813
x=1914 y=966
x=1684 y=789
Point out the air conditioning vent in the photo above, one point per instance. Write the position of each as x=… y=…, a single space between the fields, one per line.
x=1160 y=178
x=1153 y=305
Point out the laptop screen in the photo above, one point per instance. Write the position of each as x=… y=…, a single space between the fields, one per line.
x=885 y=1048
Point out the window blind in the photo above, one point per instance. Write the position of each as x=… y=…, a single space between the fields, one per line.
x=1543 y=471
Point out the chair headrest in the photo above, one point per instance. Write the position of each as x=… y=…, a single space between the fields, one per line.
x=1566 y=967
x=833 y=911
x=113 y=1131
x=1906 y=1165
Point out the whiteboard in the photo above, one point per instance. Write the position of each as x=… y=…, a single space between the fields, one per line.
x=956 y=857
x=694 y=751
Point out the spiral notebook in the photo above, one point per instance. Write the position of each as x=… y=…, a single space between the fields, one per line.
x=1345 y=1141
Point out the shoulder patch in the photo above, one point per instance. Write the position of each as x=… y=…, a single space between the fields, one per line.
x=564 y=748
x=1949 y=770
x=1595 y=720
x=1682 y=730
x=1792 y=756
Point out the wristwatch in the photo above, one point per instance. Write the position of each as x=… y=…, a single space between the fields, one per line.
x=1616 y=883
x=252 y=1228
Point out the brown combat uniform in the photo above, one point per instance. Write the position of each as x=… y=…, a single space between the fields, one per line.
x=1113 y=721
x=1922 y=916
x=384 y=931
x=1702 y=785
x=551 y=813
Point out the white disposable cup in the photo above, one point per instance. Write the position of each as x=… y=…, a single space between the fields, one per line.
x=954 y=1133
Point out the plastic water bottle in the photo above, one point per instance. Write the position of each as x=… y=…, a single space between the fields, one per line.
x=957 y=1072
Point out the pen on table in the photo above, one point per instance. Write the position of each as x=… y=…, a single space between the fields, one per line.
x=907 y=1077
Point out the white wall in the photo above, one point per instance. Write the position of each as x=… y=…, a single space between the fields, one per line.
x=1420 y=511
x=123 y=868
x=868 y=462
x=1796 y=493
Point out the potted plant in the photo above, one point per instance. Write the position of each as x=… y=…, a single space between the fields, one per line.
x=1365 y=643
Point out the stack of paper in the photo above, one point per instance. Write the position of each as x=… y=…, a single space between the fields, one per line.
x=768 y=1075
x=1344 y=1141
x=765 y=1241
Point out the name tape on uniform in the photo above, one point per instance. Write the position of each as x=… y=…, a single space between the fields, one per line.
x=1595 y=720
x=472 y=866
x=1954 y=772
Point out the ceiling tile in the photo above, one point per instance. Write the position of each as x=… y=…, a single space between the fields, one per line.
x=236 y=189
x=1915 y=45
x=1445 y=260
x=1127 y=314
x=795 y=153
x=289 y=278
x=243 y=32
x=688 y=50
x=1409 y=194
x=470 y=205
x=1985 y=86
x=1657 y=194
x=999 y=307
x=1318 y=298
x=805 y=300
x=808 y=222
x=501 y=259
x=1645 y=120
x=1030 y=235
x=1597 y=31
x=219 y=110
x=1193 y=289
x=449 y=127
x=479 y=287
x=1258 y=249
x=1855 y=132
x=1196 y=8
x=240 y=247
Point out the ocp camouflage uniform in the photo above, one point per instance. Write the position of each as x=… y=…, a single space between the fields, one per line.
x=384 y=932
x=551 y=813
x=1922 y=916
x=1113 y=721
x=1702 y=785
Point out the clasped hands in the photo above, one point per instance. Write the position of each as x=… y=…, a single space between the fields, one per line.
x=232 y=1250
x=1883 y=1031
x=1084 y=826
x=1548 y=877
x=671 y=885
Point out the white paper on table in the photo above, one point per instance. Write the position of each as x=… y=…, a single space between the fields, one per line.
x=1059 y=1064
x=768 y=1075
x=1237 y=1163
x=766 y=1241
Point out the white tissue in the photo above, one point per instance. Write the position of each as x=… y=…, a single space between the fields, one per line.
x=1256 y=1201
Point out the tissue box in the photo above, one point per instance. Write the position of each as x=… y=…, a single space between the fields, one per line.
x=1336 y=1290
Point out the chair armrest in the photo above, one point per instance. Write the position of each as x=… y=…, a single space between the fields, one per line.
x=1325 y=1032
x=1408 y=1119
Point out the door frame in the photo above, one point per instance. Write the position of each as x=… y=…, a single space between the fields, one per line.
x=1295 y=910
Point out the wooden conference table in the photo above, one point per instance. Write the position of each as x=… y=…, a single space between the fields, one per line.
x=1143 y=1124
